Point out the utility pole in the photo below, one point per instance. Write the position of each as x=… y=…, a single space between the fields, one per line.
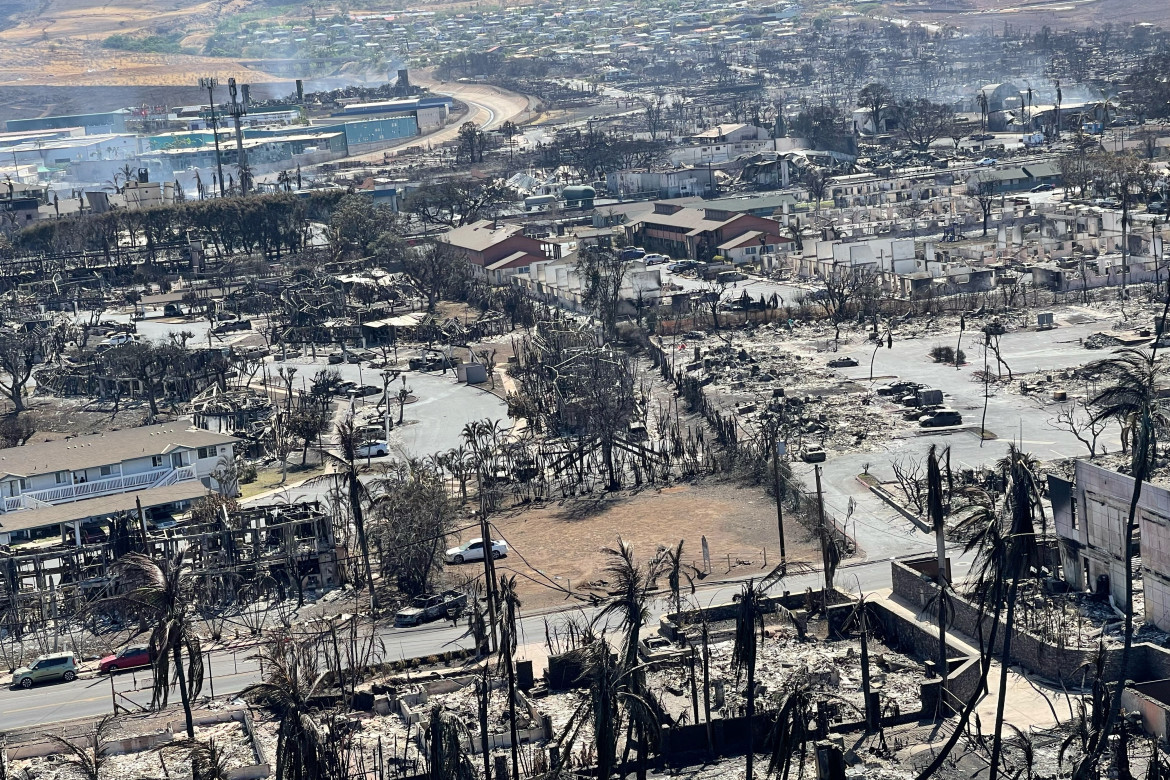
x=210 y=83
x=776 y=446
x=238 y=110
x=489 y=565
x=826 y=539
x=387 y=377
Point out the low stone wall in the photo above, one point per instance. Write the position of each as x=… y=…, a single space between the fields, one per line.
x=1065 y=664
x=840 y=607
x=919 y=641
x=143 y=742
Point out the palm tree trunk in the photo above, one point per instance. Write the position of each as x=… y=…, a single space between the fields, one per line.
x=965 y=717
x=184 y=694
x=355 y=505
x=707 y=693
x=1005 y=660
x=751 y=716
x=510 y=667
x=943 y=581
x=484 y=692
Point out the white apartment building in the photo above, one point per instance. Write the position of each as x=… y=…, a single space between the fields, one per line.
x=60 y=485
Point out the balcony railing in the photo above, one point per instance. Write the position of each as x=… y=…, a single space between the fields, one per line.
x=37 y=499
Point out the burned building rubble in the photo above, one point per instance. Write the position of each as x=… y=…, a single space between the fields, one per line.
x=275 y=550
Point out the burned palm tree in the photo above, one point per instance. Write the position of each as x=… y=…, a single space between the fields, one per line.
x=1015 y=559
x=357 y=497
x=610 y=707
x=790 y=734
x=677 y=572
x=208 y=762
x=937 y=514
x=290 y=682
x=86 y=760
x=446 y=759
x=633 y=584
x=167 y=594
x=1004 y=539
x=749 y=633
x=510 y=604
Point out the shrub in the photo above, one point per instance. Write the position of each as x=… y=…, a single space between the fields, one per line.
x=942 y=354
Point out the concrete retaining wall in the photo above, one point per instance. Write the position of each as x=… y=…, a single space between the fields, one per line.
x=1147 y=662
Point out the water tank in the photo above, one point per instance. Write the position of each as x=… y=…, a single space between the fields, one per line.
x=579 y=195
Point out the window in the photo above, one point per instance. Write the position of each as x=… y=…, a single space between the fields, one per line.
x=106 y=471
x=62 y=477
x=206 y=452
x=156 y=461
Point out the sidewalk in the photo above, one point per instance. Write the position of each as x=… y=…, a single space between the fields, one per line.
x=1029 y=705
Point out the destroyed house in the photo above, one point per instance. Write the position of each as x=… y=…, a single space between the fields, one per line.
x=60 y=485
x=291 y=545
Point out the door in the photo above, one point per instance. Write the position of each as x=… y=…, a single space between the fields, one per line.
x=474 y=551
x=177 y=460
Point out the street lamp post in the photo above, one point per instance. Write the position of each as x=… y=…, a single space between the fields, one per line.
x=210 y=83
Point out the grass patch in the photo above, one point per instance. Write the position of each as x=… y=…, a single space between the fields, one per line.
x=147 y=44
x=269 y=479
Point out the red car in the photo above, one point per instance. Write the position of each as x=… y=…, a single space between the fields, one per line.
x=127 y=658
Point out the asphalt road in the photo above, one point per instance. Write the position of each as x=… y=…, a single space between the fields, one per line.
x=232 y=671
x=434 y=422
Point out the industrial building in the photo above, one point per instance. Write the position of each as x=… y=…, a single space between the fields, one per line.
x=107 y=122
x=429 y=112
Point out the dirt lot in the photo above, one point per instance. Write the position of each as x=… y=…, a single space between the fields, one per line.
x=564 y=540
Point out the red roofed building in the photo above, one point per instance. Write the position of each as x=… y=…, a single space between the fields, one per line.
x=700 y=233
x=499 y=250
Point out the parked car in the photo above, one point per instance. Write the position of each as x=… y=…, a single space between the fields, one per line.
x=842 y=362
x=941 y=418
x=913 y=415
x=1157 y=207
x=814 y=455
x=365 y=391
x=118 y=339
x=1042 y=188
x=427 y=608
x=473 y=551
x=987 y=161
x=898 y=389
x=335 y=358
x=126 y=658
x=172 y=310
x=655 y=259
x=982 y=137
x=373 y=449
x=47 y=668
